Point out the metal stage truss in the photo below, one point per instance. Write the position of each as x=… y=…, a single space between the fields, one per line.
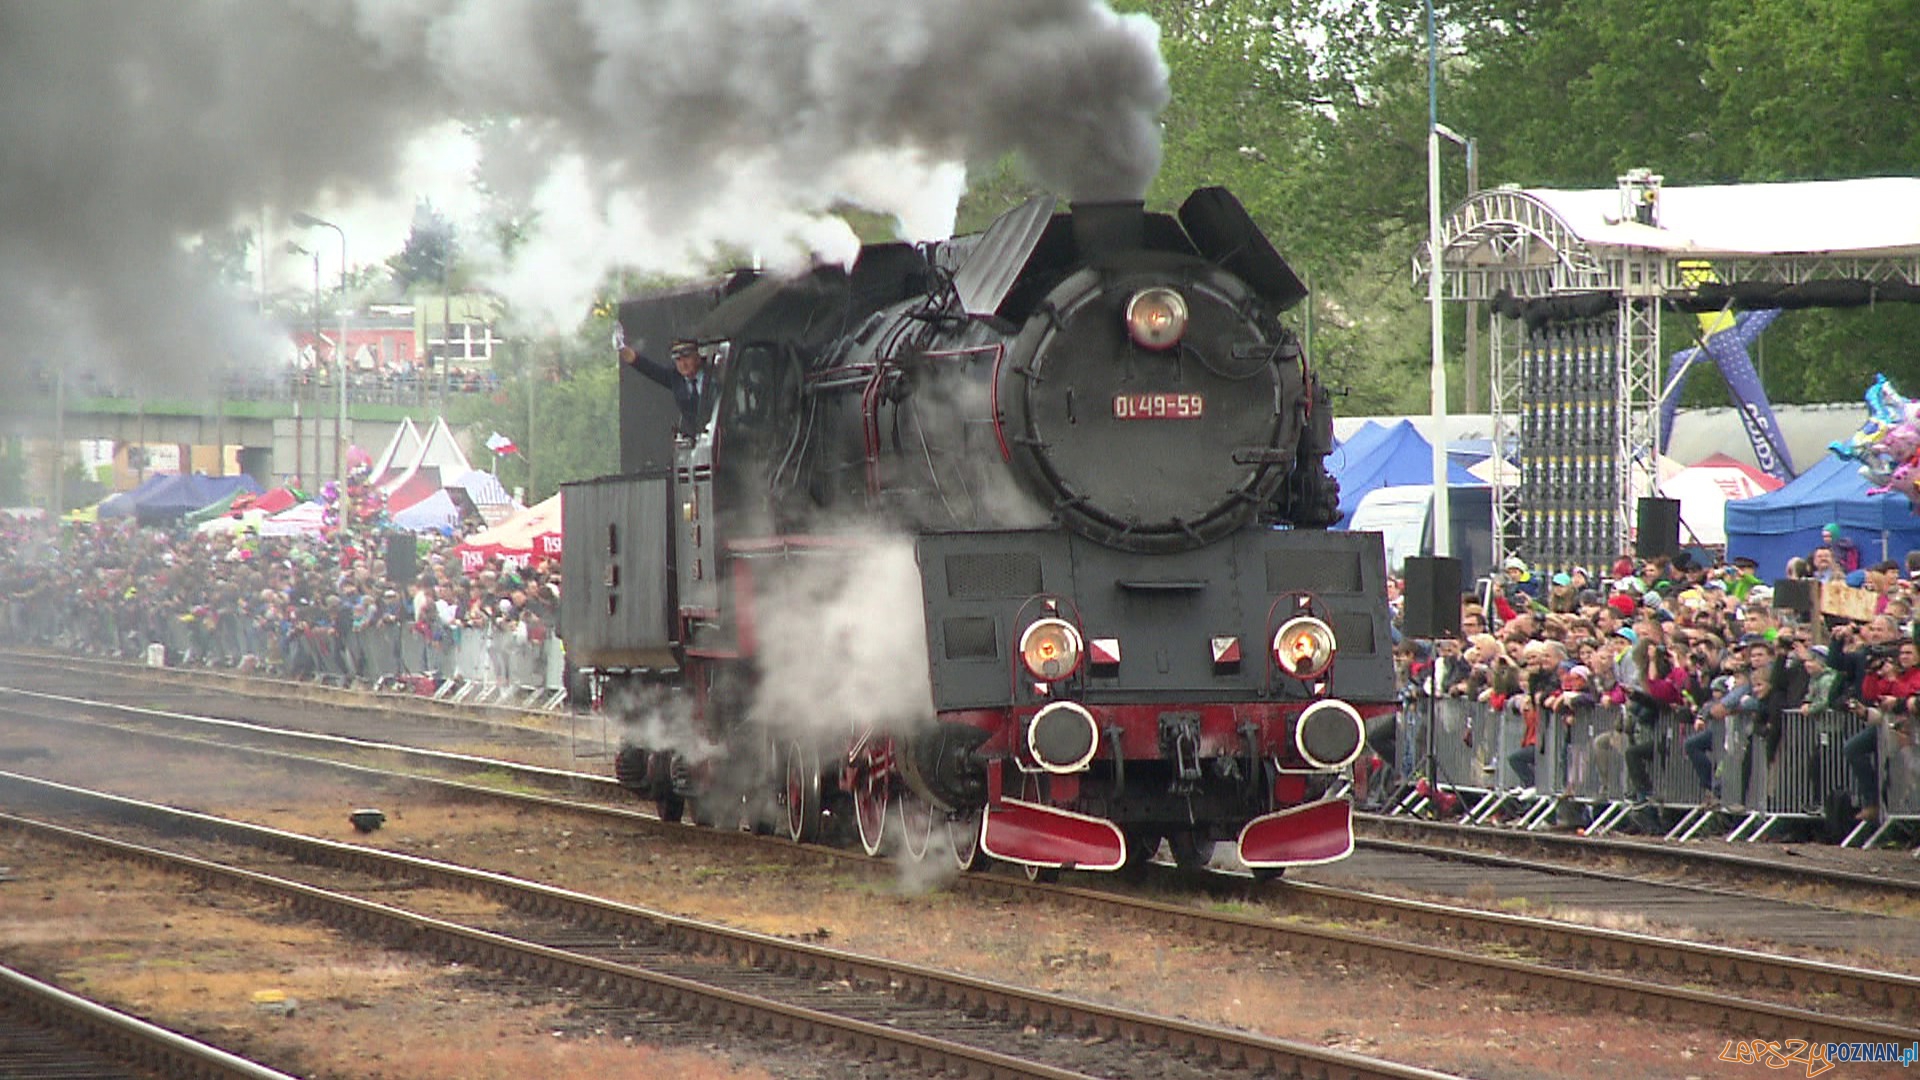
x=1583 y=277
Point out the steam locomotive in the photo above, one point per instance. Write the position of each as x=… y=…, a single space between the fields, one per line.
x=1011 y=545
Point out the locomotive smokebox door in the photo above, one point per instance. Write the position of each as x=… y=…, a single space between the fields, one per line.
x=1191 y=401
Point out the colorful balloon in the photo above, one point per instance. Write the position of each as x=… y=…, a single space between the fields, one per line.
x=1887 y=446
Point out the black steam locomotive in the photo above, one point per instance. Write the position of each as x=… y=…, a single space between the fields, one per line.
x=1012 y=544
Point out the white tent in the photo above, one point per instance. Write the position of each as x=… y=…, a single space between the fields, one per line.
x=435 y=513
x=1497 y=469
x=1705 y=489
x=400 y=452
x=484 y=488
x=232 y=523
x=305 y=519
x=438 y=450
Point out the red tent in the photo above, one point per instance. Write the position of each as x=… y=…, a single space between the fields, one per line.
x=270 y=502
x=1726 y=465
x=416 y=486
x=525 y=536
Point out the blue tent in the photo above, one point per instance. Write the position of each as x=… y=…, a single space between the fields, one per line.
x=1395 y=455
x=165 y=498
x=1772 y=528
x=123 y=503
x=1356 y=446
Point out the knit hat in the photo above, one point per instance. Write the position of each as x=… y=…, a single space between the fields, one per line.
x=1562 y=579
x=1623 y=604
x=1627 y=632
x=1581 y=672
x=1514 y=562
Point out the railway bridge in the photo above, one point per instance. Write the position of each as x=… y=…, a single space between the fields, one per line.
x=285 y=426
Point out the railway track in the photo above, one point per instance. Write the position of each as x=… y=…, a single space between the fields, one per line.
x=404 y=715
x=927 y=1020
x=46 y=1032
x=1601 y=858
x=1726 y=970
x=1730 y=871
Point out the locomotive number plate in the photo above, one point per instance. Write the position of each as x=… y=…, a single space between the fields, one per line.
x=1158 y=406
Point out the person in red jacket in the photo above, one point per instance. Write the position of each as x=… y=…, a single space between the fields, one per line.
x=1655 y=683
x=1889 y=695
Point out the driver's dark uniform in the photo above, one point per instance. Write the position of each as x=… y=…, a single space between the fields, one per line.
x=694 y=396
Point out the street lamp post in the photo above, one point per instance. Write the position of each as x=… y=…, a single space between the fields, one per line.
x=1472 y=147
x=1442 y=508
x=340 y=418
x=298 y=441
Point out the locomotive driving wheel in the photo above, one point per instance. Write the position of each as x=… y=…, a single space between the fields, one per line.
x=916 y=825
x=870 y=808
x=963 y=833
x=803 y=794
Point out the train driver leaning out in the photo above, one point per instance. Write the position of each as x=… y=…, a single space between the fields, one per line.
x=688 y=380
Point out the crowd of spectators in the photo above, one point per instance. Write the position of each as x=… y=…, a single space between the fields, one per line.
x=1671 y=640
x=116 y=589
x=1664 y=640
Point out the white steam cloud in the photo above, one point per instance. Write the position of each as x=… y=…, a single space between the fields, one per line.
x=646 y=133
x=843 y=646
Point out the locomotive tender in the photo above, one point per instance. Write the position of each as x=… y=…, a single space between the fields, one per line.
x=1071 y=473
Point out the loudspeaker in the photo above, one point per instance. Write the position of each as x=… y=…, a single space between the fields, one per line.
x=403 y=560
x=1659 y=529
x=1794 y=594
x=1431 y=596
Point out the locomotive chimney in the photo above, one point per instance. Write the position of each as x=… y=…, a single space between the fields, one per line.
x=1103 y=227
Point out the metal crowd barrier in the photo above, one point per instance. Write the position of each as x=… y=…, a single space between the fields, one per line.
x=1581 y=777
x=1900 y=788
x=1801 y=776
x=473 y=664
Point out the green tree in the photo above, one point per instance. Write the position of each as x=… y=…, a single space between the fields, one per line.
x=1574 y=94
x=225 y=254
x=429 y=254
x=13 y=472
x=571 y=431
x=1817 y=88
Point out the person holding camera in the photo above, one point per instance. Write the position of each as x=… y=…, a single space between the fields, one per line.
x=1889 y=696
x=1655 y=680
x=1851 y=645
x=1729 y=683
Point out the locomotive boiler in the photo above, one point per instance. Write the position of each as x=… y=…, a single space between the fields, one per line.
x=1010 y=545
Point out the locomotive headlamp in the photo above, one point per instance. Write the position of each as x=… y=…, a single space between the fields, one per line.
x=1329 y=734
x=1304 y=647
x=1156 y=318
x=1051 y=649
